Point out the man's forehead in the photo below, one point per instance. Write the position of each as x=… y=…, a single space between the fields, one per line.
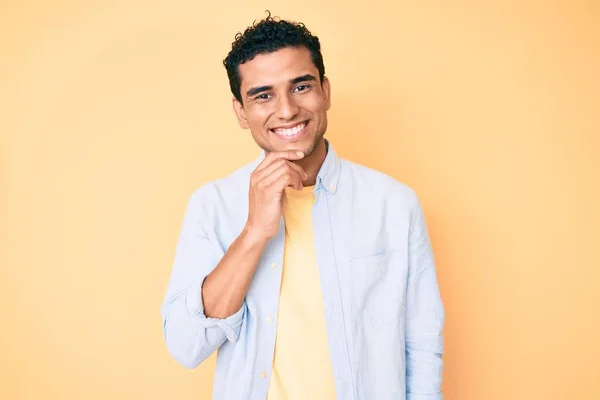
x=276 y=68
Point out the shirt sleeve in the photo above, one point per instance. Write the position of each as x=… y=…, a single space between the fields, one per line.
x=190 y=335
x=424 y=315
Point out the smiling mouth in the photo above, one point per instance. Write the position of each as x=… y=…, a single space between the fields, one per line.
x=292 y=132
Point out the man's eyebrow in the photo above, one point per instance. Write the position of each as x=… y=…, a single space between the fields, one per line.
x=303 y=78
x=254 y=91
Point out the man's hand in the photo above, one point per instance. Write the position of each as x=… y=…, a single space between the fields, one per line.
x=267 y=184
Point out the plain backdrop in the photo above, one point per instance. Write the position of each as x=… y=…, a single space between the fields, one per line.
x=113 y=112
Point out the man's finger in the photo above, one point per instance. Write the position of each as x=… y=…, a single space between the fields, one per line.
x=277 y=177
x=279 y=163
x=275 y=155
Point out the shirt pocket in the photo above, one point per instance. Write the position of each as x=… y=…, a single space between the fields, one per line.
x=378 y=288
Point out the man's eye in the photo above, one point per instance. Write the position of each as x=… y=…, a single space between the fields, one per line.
x=301 y=88
x=263 y=96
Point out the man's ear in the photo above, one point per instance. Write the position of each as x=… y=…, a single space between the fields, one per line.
x=326 y=87
x=240 y=113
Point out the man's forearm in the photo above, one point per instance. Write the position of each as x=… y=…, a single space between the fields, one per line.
x=225 y=288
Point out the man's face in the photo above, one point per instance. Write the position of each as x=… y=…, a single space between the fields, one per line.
x=284 y=104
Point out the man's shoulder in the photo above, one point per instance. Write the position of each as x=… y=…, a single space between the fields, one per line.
x=226 y=187
x=375 y=182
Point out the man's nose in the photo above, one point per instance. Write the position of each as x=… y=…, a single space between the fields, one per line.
x=287 y=108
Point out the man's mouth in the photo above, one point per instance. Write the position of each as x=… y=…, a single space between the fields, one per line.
x=290 y=132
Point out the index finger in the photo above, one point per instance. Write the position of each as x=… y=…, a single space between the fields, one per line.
x=275 y=155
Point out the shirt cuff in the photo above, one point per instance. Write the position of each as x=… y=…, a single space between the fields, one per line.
x=416 y=396
x=230 y=325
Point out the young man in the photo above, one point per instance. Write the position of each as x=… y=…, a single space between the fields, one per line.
x=313 y=276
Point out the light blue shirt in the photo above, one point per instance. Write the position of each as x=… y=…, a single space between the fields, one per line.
x=384 y=315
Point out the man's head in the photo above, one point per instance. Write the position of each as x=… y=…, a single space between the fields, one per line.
x=277 y=78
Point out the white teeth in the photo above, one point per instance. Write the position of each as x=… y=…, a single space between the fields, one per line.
x=291 y=131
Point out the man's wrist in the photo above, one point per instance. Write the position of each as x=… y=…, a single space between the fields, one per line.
x=252 y=238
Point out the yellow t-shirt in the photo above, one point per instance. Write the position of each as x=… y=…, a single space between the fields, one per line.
x=301 y=364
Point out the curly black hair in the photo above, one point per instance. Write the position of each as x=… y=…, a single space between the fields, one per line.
x=267 y=36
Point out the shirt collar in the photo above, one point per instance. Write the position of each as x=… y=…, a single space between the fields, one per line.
x=328 y=175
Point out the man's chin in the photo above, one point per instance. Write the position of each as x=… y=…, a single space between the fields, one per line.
x=298 y=146
x=306 y=146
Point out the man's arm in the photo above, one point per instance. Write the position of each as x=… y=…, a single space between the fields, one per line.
x=204 y=305
x=424 y=315
x=225 y=288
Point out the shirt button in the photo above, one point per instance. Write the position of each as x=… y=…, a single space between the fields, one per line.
x=331 y=187
x=274 y=265
x=263 y=374
x=269 y=319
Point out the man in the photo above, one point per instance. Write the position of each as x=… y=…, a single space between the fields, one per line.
x=312 y=276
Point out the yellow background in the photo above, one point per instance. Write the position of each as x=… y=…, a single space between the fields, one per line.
x=112 y=113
